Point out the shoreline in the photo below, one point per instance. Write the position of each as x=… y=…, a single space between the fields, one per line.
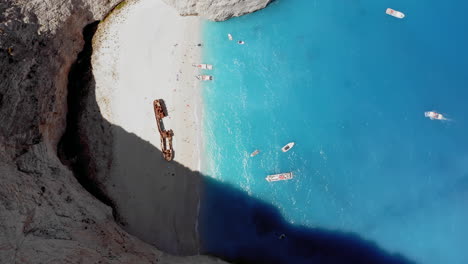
x=144 y=51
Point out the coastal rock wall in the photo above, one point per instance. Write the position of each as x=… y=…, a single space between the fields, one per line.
x=40 y=40
x=46 y=216
x=217 y=10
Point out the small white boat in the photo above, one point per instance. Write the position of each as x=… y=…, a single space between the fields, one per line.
x=203 y=66
x=434 y=115
x=287 y=147
x=240 y=42
x=204 y=77
x=229 y=36
x=394 y=13
x=279 y=177
x=255 y=153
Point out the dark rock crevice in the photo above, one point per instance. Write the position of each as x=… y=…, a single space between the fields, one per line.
x=73 y=149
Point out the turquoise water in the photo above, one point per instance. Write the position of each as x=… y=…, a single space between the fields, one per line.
x=349 y=84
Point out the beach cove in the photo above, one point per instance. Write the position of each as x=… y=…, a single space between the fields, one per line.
x=367 y=185
x=142 y=52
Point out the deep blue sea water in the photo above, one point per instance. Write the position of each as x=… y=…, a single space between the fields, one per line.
x=349 y=84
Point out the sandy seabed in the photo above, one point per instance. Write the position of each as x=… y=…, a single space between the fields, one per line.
x=144 y=51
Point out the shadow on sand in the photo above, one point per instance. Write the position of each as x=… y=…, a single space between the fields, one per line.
x=231 y=224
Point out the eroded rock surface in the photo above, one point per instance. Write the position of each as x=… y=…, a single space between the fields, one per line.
x=217 y=10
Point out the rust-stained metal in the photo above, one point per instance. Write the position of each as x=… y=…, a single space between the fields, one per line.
x=166 y=135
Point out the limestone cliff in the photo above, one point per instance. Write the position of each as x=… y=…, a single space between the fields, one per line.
x=46 y=216
x=217 y=10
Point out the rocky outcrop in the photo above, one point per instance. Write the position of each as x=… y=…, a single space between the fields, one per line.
x=40 y=40
x=217 y=10
x=46 y=216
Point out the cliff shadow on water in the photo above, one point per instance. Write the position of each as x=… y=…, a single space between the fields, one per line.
x=231 y=224
x=243 y=229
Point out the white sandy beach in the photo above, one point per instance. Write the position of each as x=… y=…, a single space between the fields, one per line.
x=144 y=51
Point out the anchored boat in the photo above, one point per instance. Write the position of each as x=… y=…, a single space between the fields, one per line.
x=394 y=13
x=255 y=153
x=279 y=177
x=203 y=66
x=204 y=77
x=287 y=147
x=434 y=115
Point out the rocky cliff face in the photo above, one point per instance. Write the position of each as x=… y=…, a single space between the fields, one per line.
x=217 y=10
x=46 y=216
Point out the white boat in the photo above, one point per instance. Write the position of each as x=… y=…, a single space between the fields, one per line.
x=394 y=13
x=287 y=147
x=255 y=153
x=203 y=66
x=279 y=177
x=434 y=115
x=204 y=77
x=240 y=42
x=229 y=36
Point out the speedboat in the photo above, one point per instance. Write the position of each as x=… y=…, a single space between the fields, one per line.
x=255 y=153
x=287 y=147
x=434 y=115
x=241 y=42
x=203 y=66
x=279 y=177
x=204 y=77
x=229 y=36
x=394 y=13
